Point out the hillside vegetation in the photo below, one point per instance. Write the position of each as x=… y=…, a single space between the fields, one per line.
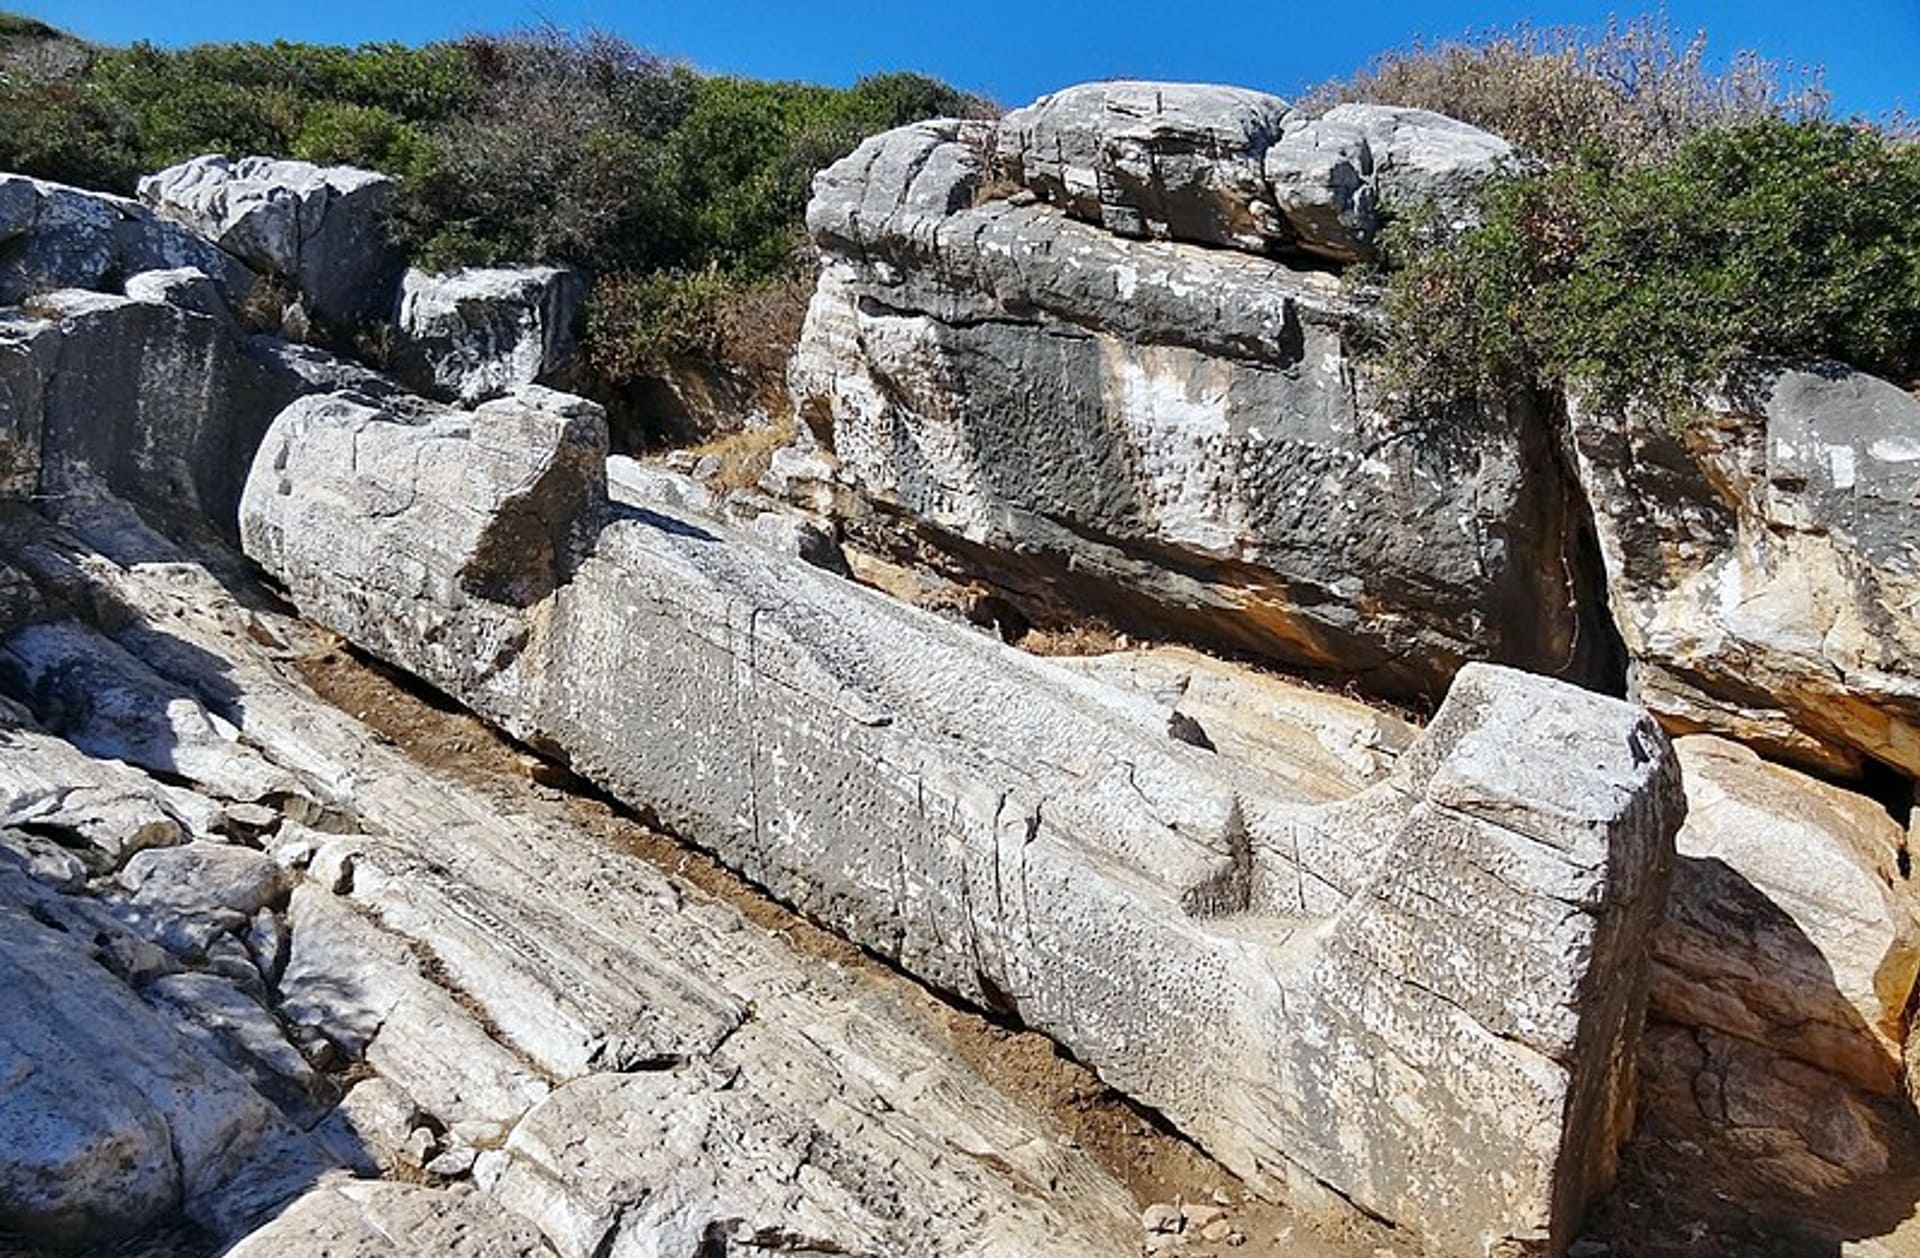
x=1676 y=227
x=1675 y=222
x=682 y=192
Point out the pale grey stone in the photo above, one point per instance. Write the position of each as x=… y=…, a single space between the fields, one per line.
x=506 y=935
x=480 y=333
x=189 y=288
x=1340 y=177
x=1763 y=563
x=54 y=237
x=109 y=1120
x=110 y=704
x=159 y=404
x=1185 y=440
x=1019 y=835
x=355 y=1219
x=324 y=228
x=1177 y=161
x=202 y=877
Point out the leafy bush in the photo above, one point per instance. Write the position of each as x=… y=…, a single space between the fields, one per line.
x=683 y=192
x=1629 y=89
x=1662 y=281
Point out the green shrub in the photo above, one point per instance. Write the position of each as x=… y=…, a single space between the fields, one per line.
x=1661 y=282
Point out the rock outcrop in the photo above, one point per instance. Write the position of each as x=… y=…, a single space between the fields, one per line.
x=1182 y=438
x=1036 y=842
x=481 y=978
x=1239 y=169
x=53 y=237
x=1338 y=177
x=323 y=229
x=473 y=335
x=1761 y=564
x=153 y=402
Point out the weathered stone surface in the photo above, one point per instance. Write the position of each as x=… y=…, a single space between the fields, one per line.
x=664 y=1162
x=1177 y=161
x=1761 y=565
x=187 y=287
x=110 y=704
x=54 y=237
x=204 y=877
x=1336 y=177
x=480 y=946
x=1319 y=746
x=110 y=1120
x=323 y=228
x=353 y=1219
x=103 y=810
x=1026 y=838
x=1181 y=438
x=1783 y=929
x=480 y=333
x=159 y=404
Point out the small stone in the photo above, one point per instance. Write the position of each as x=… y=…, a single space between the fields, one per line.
x=1217 y=1230
x=418 y=1150
x=453 y=1163
x=1161 y=1216
x=1201 y=1217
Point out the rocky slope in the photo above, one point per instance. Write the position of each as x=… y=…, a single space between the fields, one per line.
x=292 y=973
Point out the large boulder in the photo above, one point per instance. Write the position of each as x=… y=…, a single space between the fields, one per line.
x=1040 y=843
x=1791 y=924
x=1339 y=177
x=1761 y=562
x=1174 y=161
x=475 y=334
x=54 y=237
x=321 y=228
x=159 y=404
x=1184 y=439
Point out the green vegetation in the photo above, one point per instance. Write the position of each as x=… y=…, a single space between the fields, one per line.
x=683 y=191
x=1676 y=231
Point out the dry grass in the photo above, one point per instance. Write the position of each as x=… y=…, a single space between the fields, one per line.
x=1633 y=88
x=744 y=456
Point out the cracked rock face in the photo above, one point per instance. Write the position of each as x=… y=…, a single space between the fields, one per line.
x=1182 y=438
x=322 y=228
x=1761 y=565
x=145 y=399
x=1336 y=177
x=1472 y=927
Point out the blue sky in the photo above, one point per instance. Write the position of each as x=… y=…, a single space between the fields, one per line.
x=1015 y=51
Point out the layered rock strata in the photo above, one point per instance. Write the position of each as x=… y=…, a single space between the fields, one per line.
x=1424 y=996
x=1183 y=438
x=252 y=951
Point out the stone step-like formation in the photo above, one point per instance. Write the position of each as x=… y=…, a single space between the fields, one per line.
x=1182 y=437
x=1424 y=996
